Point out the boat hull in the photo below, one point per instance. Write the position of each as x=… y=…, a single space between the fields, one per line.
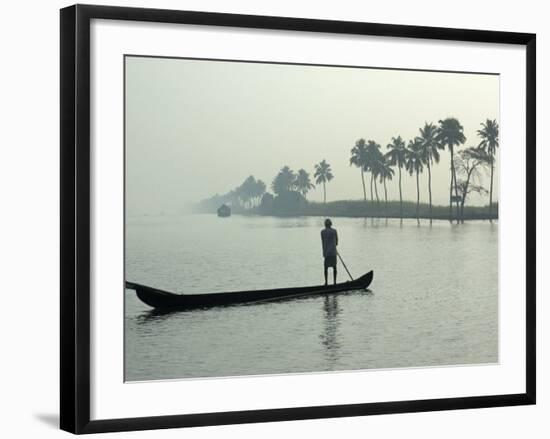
x=160 y=299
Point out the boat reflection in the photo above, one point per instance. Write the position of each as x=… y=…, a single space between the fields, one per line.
x=156 y=315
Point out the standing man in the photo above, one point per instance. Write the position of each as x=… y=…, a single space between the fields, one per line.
x=329 y=238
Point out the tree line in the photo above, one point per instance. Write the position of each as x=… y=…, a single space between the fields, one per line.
x=423 y=152
x=246 y=196
x=418 y=154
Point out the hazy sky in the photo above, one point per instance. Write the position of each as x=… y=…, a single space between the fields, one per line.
x=197 y=128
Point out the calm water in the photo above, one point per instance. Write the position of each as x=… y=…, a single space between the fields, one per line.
x=433 y=301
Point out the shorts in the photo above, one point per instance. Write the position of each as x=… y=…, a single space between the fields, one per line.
x=330 y=261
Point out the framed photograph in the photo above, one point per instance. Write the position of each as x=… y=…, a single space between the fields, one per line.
x=274 y=218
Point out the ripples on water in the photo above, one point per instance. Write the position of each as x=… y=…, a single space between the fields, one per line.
x=433 y=301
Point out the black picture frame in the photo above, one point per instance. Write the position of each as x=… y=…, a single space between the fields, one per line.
x=75 y=217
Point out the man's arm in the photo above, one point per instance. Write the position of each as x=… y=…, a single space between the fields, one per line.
x=323 y=243
x=336 y=235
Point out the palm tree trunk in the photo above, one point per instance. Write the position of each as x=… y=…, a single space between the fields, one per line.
x=491 y=189
x=451 y=186
x=386 y=198
x=456 y=187
x=364 y=189
x=417 y=198
x=400 y=194
x=376 y=192
x=371 y=196
x=430 y=189
x=456 y=195
x=324 y=193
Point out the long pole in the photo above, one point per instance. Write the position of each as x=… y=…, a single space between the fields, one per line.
x=344 y=264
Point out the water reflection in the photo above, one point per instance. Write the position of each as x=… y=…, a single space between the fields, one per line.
x=158 y=315
x=329 y=338
x=154 y=315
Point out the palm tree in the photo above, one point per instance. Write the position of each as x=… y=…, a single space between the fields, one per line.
x=396 y=157
x=359 y=158
x=413 y=164
x=246 y=191
x=430 y=151
x=385 y=172
x=374 y=157
x=323 y=174
x=283 y=181
x=303 y=183
x=451 y=134
x=259 y=191
x=489 y=143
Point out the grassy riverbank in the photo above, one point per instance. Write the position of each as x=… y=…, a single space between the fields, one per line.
x=393 y=210
x=362 y=209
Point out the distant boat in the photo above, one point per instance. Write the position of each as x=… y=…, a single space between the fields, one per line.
x=167 y=301
x=224 y=210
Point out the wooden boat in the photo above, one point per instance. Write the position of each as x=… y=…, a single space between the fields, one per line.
x=165 y=300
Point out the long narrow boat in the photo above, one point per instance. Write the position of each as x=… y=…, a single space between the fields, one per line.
x=165 y=300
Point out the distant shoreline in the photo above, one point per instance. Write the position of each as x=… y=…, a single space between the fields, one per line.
x=368 y=209
x=435 y=218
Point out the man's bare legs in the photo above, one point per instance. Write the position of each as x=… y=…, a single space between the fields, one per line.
x=334 y=272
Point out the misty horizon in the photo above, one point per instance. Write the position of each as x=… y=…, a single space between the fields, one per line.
x=198 y=128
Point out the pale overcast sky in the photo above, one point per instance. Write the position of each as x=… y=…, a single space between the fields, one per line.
x=195 y=128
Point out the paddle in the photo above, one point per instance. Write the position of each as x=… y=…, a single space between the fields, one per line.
x=344 y=264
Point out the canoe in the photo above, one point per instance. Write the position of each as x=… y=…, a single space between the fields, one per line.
x=165 y=300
